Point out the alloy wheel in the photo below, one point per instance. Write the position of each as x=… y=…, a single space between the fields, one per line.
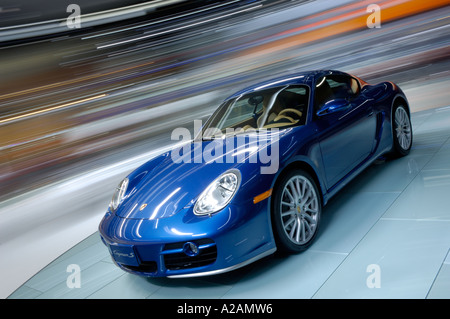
x=299 y=210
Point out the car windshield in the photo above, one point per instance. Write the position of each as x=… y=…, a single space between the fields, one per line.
x=279 y=107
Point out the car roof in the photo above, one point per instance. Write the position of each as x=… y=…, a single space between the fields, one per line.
x=307 y=78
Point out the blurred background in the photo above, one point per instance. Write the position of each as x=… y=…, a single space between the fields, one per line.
x=83 y=102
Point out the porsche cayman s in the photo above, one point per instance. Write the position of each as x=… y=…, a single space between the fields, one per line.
x=256 y=176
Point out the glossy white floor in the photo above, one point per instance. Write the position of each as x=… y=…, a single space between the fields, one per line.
x=387 y=235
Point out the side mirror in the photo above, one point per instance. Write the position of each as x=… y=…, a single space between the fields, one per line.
x=333 y=106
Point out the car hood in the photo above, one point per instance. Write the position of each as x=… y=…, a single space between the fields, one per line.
x=182 y=174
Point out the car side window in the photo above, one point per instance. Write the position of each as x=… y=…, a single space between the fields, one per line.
x=343 y=86
x=334 y=87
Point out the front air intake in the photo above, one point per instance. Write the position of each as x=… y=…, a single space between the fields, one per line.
x=176 y=257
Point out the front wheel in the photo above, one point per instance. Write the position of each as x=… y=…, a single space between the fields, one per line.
x=296 y=211
x=402 y=131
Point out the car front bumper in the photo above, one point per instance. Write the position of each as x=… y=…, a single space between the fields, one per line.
x=185 y=245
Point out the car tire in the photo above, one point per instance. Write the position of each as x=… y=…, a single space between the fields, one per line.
x=401 y=131
x=296 y=211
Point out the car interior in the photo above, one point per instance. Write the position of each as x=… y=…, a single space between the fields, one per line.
x=287 y=109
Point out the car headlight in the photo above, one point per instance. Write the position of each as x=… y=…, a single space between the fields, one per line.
x=218 y=194
x=119 y=195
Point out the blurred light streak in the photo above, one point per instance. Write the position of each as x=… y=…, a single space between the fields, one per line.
x=177 y=29
x=69 y=82
x=178 y=16
x=346 y=22
x=87 y=20
x=14 y=118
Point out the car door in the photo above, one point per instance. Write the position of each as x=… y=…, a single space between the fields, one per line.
x=345 y=124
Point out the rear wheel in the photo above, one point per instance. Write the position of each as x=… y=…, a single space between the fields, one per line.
x=402 y=131
x=296 y=211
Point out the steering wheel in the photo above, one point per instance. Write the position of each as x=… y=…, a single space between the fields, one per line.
x=281 y=115
x=297 y=112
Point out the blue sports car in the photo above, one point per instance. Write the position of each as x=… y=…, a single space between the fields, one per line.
x=256 y=176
